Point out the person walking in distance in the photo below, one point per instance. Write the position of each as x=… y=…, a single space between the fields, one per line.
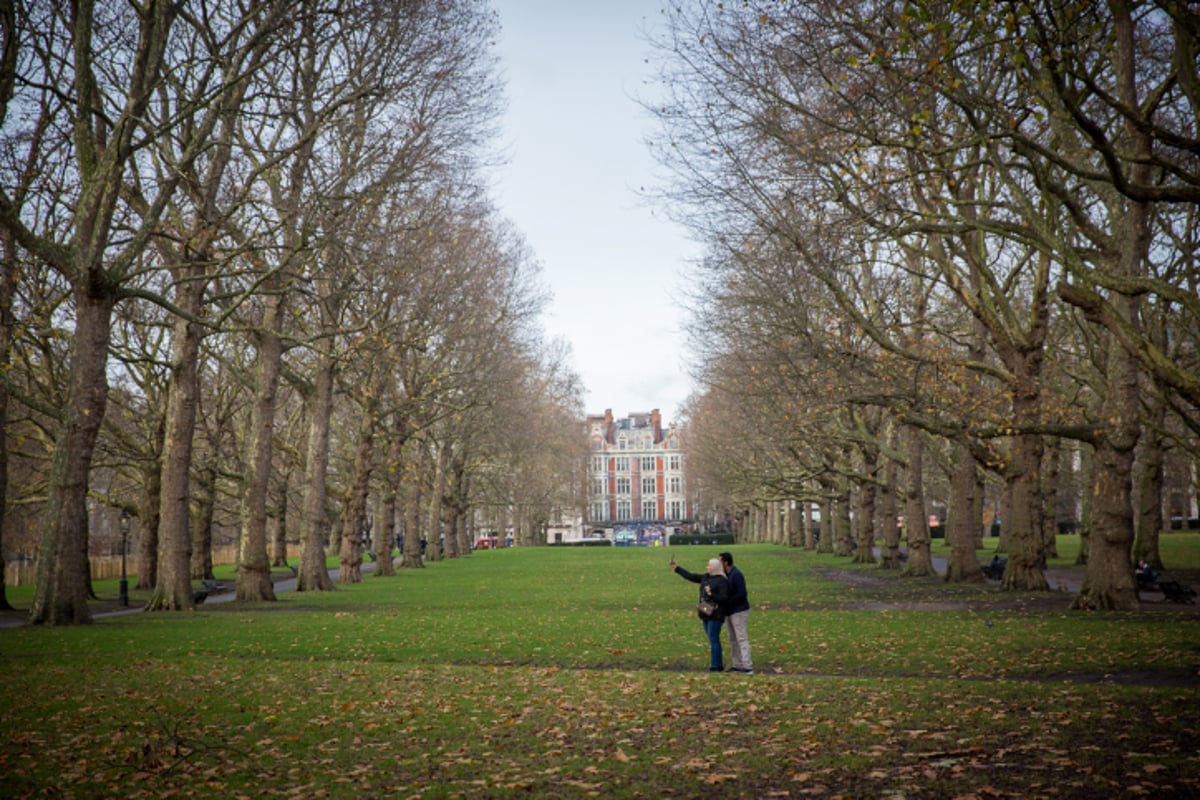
x=715 y=588
x=737 y=614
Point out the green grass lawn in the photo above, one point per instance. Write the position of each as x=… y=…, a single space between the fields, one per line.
x=580 y=672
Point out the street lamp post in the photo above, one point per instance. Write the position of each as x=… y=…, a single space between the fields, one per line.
x=124 y=590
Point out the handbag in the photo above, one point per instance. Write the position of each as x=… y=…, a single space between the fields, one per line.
x=706 y=608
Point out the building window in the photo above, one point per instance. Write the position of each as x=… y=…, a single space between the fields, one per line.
x=623 y=514
x=623 y=464
x=599 y=511
x=673 y=463
x=647 y=485
x=597 y=487
x=647 y=463
x=675 y=509
x=621 y=443
x=649 y=509
x=673 y=484
x=622 y=485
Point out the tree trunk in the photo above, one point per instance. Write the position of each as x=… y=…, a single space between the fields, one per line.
x=1109 y=582
x=415 y=544
x=1006 y=511
x=437 y=506
x=8 y=288
x=385 y=526
x=916 y=523
x=354 y=515
x=843 y=530
x=1050 y=499
x=206 y=506
x=864 y=553
x=867 y=498
x=890 y=531
x=149 y=514
x=254 y=568
x=1150 y=477
x=60 y=596
x=1027 y=560
x=279 y=549
x=1087 y=475
x=313 y=574
x=963 y=563
x=173 y=590
x=390 y=508
x=825 y=542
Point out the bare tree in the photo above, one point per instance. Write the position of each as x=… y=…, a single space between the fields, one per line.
x=91 y=38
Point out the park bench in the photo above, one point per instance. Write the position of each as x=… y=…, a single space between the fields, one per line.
x=1146 y=580
x=1176 y=592
x=213 y=586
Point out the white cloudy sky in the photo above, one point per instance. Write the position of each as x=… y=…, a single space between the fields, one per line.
x=575 y=137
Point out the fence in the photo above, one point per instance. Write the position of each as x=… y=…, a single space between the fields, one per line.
x=24 y=573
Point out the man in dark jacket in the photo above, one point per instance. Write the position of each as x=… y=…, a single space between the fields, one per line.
x=737 y=614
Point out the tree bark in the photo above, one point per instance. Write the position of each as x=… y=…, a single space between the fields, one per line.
x=1027 y=559
x=173 y=590
x=1087 y=476
x=843 y=530
x=354 y=515
x=414 y=542
x=60 y=597
x=254 y=568
x=864 y=553
x=825 y=542
x=8 y=287
x=149 y=510
x=1050 y=475
x=279 y=549
x=963 y=564
x=888 y=527
x=1109 y=582
x=1151 y=464
x=206 y=506
x=314 y=576
x=916 y=523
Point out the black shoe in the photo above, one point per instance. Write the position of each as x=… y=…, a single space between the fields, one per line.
x=716 y=669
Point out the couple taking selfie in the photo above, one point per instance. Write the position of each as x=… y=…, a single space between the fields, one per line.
x=722 y=597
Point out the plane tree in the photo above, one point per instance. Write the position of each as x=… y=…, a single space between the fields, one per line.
x=929 y=130
x=110 y=63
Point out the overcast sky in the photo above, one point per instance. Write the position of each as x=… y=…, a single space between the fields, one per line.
x=575 y=135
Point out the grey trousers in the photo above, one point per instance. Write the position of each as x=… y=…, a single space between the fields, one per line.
x=739 y=641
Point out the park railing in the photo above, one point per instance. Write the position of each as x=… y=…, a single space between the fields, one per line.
x=108 y=567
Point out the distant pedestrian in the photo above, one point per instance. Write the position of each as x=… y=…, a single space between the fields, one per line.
x=713 y=587
x=737 y=615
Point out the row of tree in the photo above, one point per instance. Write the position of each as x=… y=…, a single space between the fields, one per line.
x=959 y=232
x=248 y=267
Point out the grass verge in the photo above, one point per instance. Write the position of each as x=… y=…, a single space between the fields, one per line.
x=579 y=673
